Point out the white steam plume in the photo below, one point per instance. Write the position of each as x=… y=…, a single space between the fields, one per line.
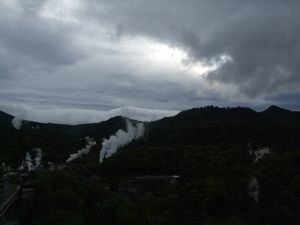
x=38 y=157
x=32 y=162
x=260 y=153
x=84 y=151
x=28 y=162
x=253 y=188
x=17 y=123
x=120 y=139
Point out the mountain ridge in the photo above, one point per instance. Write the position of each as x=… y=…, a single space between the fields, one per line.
x=211 y=150
x=272 y=111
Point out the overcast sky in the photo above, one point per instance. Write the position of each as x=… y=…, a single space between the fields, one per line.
x=78 y=61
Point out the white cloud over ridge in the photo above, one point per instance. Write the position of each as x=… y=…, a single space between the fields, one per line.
x=81 y=116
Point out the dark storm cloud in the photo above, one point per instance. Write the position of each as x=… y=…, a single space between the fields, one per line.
x=261 y=37
x=25 y=36
x=264 y=46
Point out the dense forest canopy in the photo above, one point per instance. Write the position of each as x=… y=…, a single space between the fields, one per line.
x=206 y=165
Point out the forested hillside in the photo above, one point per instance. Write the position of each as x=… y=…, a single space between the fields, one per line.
x=205 y=166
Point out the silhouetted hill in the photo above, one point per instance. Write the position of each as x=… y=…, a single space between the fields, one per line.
x=274 y=127
x=5 y=118
x=56 y=140
x=213 y=153
x=211 y=125
x=213 y=113
x=282 y=116
x=97 y=130
x=94 y=130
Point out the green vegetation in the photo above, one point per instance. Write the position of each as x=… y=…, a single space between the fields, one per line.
x=208 y=148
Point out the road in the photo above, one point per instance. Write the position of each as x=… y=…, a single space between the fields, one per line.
x=8 y=195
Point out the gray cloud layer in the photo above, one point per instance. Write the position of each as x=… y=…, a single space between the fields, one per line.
x=100 y=55
x=261 y=37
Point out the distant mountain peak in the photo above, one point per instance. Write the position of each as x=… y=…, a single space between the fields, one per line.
x=276 y=109
x=5 y=118
x=5 y=114
x=282 y=116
